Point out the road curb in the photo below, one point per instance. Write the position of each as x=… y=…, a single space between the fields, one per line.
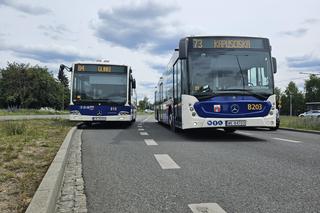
x=301 y=130
x=44 y=199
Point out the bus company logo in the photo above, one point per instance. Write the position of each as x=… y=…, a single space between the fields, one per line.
x=235 y=108
x=214 y=123
x=217 y=108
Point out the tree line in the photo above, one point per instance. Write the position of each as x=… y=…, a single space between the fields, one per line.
x=299 y=99
x=26 y=86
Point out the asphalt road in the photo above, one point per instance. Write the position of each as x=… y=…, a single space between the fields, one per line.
x=247 y=171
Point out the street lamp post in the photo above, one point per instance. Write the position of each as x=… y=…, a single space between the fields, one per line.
x=290 y=104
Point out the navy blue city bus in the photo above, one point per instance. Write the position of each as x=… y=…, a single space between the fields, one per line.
x=218 y=82
x=102 y=92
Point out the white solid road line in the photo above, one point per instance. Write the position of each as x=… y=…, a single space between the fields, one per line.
x=140 y=129
x=244 y=133
x=144 y=133
x=150 y=142
x=146 y=119
x=166 y=161
x=206 y=207
x=287 y=140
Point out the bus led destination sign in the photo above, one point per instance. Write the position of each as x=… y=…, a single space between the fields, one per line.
x=227 y=43
x=99 y=68
x=231 y=44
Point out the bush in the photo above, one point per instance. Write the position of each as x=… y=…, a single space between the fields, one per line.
x=14 y=127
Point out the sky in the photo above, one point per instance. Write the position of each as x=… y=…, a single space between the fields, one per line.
x=143 y=34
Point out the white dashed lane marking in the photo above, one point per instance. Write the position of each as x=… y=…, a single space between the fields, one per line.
x=140 y=129
x=166 y=161
x=150 y=142
x=287 y=140
x=206 y=208
x=144 y=133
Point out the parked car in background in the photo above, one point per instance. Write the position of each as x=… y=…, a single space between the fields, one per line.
x=148 y=111
x=311 y=113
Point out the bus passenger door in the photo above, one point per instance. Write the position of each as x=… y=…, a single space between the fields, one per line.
x=161 y=102
x=177 y=94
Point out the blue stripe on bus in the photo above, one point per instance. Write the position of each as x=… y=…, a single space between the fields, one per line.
x=205 y=108
x=93 y=110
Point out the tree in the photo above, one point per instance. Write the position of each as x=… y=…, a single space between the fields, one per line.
x=298 y=101
x=28 y=86
x=144 y=103
x=312 y=87
x=277 y=91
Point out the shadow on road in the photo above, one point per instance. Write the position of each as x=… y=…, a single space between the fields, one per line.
x=205 y=135
x=105 y=125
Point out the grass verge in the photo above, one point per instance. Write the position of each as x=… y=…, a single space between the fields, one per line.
x=300 y=123
x=4 y=112
x=27 y=149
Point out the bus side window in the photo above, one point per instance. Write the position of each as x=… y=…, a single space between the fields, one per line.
x=184 y=76
x=161 y=92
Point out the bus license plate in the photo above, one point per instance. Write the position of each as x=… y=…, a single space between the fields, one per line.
x=99 y=119
x=235 y=123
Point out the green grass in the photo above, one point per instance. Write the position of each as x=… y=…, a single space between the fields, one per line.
x=300 y=122
x=31 y=112
x=25 y=156
x=14 y=128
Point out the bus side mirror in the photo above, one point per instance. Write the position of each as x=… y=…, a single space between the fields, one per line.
x=133 y=83
x=274 y=64
x=183 y=48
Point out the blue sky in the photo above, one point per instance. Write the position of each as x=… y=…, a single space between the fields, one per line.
x=144 y=33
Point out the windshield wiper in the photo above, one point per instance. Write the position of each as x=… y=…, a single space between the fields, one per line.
x=247 y=91
x=204 y=95
x=243 y=84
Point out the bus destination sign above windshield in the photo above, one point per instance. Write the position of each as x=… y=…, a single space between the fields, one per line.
x=99 y=68
x=227 y=43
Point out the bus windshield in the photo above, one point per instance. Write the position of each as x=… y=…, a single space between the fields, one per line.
x=214 y=72
x=100 y=87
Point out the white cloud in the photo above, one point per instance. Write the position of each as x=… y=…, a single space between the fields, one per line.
x=25 y=8
x=143 y=33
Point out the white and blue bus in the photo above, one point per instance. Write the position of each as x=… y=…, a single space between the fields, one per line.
x=218 y=82
x=101 y=92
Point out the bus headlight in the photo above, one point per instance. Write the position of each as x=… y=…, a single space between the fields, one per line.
x=74 y=112
x=194 y=114
x=191 y=108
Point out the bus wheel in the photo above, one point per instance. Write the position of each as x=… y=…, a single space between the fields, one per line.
x=229 y=130
x=171 y=123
